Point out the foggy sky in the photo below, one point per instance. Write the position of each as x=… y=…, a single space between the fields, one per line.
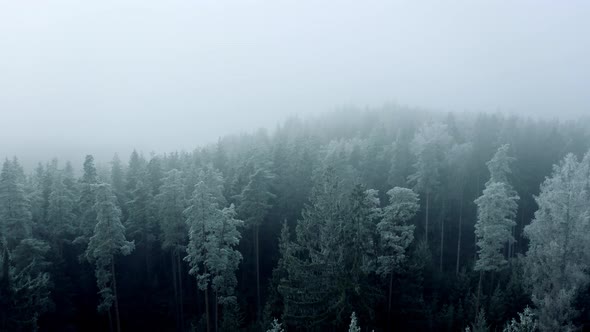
x=101 y=76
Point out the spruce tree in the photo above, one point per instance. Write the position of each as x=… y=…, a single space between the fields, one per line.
x=107 y=241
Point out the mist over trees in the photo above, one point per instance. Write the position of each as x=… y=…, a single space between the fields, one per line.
x=385 y=219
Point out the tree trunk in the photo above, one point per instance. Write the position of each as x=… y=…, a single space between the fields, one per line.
x=426 y=217
x=256 y=250
x=442 y=242
x=181 y=300
x=117 y=320
x=477 y=301
x=459 y=235
x=110 y=320
x=216 y=313
x=207 y=309
x=389 y=299
x=174 y=281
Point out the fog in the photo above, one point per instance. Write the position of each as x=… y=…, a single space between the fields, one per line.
x=103 y=76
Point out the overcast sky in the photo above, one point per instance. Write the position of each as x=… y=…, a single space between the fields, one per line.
x=166 y=75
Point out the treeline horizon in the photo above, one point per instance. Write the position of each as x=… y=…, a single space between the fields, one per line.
x=409 y=220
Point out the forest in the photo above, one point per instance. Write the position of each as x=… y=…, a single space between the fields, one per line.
x=380 y=219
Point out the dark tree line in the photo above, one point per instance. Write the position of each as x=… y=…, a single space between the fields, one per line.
x=389 y=219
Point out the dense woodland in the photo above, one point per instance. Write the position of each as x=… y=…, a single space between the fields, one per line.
x=389 y=219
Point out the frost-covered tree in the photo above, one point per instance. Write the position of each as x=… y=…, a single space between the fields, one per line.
x=141 y=223
x=118 y=181
x=202 y=212
x=480 y=324
x=254 y=203
x=84 y=208
x=24 y=281
x=223 y=259
x=558 y=258
x=394 y=232
x=171 y=203
x=60 y=212
x=211 y=253
x=155 y=174
x=276 y=326
x=496 y=211
x=107 y=242
x=24 y=285
x=526 y=322
x=15 y=213
x=429 y=146
x=458 y=165
x=354 y=327
x=357 y=251
x=329 y=263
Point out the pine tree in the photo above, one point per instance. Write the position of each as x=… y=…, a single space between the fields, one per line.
x=223 y=259
x=395 y=234
x=84 y=208
x=254 y=204
x=60 y=214
x=15 y=215
x=26 y=287
x=155 y=174
x=526 y=322
x=118 y=182
x=276 y=326
x=429 y=147
x=210 y=253
x=496 y=211
x=107 y=241
x=141 y=223
x=480 y=324
x=171 y=202
x=24 y=282
x=558 y=258
x=458 y=157
x=356 y=240
x=329 y=264
x=353 y=324
x=274 y=303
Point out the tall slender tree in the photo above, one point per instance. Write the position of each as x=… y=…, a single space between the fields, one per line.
x=496 y=211
x=85 y=212
x=254 y=203
x=171 y=203
x=107 y=242
x=395 y=233
x=210 y=252
x=429 y=146
x=201 y=213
